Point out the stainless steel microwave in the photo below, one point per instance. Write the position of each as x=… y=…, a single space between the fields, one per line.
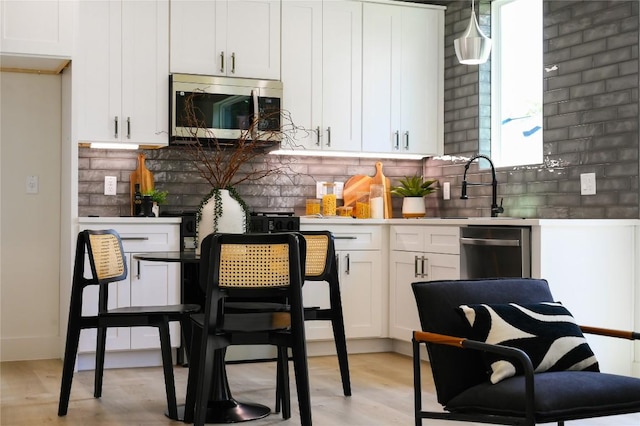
x=224 y=108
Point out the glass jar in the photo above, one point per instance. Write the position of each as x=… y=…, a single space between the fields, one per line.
x=329 y=199
x=376 y=201
x=312 y=206
x=362 y=205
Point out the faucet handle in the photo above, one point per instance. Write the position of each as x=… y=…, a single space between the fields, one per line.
x=499 y=209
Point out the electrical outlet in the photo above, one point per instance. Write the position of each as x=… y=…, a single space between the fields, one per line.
x=339 y=189
x=446 y=191
x=588 y=184
x=110 y=183
x=319 y=189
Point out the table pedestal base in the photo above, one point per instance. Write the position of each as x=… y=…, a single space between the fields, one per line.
x=230 y=411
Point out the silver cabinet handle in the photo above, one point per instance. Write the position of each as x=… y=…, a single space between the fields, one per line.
x=128 y=127
x=318 y=136
x=233 y=62
x=138 y=272
x=348 y=268
x=328 y=136
x=425 y=263
x=397 y=144
x=415 y=266
x=115 y=123
x=222 y=61
x=345 y=237
x=134 y=238
x=406 y=140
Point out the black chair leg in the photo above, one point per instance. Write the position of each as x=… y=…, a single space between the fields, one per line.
x=283 y=393
x=192 y=378
x=337 y=323
x=302 y=377
x=70 y=352
x=167 y=364
x=101 y=345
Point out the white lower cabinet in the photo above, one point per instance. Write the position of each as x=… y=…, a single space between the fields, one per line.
x=360 y=265
x=147 y=284
x=418 y=253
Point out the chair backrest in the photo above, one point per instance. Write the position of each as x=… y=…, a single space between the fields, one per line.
x=320 y=257
x=454 y=369
x=252 y=265
x=106 y=258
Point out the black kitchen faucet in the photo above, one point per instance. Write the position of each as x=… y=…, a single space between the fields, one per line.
x=495 y=209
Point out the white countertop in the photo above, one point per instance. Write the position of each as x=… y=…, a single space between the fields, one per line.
x=130 y=220
x=501 y=221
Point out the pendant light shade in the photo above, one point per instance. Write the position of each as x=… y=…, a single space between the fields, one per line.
x=473 y=47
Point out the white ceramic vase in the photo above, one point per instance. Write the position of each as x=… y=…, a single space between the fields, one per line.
x=231 y=221
x=413 y=207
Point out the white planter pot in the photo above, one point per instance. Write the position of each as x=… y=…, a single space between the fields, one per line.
x=413 y=207
x=231 y=221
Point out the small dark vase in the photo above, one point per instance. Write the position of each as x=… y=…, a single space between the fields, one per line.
x=147 y=206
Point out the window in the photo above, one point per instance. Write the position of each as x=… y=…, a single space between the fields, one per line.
x=516 y=82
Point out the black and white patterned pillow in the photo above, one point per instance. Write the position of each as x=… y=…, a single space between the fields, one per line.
x=547 y=332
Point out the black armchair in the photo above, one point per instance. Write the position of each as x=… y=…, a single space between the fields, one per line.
x=462 y=363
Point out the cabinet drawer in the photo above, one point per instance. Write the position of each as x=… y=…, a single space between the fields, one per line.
x=352 y=237
x=431 y=239
x=145 y=238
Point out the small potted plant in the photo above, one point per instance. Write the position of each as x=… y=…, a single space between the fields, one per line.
x=413 y=189
x=156 y=197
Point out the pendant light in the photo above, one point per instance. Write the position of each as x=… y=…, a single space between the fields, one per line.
x=473 y=47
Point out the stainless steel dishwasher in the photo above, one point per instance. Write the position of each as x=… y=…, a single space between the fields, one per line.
x=495 y=251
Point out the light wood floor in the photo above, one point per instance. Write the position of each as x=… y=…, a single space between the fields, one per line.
x=382 y=394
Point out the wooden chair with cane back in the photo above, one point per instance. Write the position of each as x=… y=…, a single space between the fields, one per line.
x=108 y=265
x=251 y=268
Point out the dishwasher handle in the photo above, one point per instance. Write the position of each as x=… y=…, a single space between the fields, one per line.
x=489 y=242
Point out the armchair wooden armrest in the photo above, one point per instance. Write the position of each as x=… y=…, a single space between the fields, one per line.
x=622 y=334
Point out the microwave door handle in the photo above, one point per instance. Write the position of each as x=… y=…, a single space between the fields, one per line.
x=256 y=114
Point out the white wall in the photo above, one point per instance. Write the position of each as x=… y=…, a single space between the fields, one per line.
x=30 y=144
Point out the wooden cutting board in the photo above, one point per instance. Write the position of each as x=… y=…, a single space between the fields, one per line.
x=381 y=179
x=143 y=176
x=355 y=184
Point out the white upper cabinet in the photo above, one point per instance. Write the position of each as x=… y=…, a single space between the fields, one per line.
x=121 y=72
x=403 y=69
x=234 y=38
x=322 y=73
x=37 y=27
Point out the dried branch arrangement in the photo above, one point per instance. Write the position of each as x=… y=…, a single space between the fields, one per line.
x=224 y=163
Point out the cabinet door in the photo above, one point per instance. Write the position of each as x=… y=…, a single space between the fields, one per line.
x=154 y=284
x=402 y=79
x=381 y=37
x=235 y=38
x=361 y=292
x=409 y=267
x=195 y=37
x=341 y=128
x=145 y=72
x=301 y=69
x=421 y=81
x=121 y=72
x=253 y=39
x=403 y=312
x=39 y=28
x=97 y=71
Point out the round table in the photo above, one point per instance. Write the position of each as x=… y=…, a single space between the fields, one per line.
x=222 y=406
